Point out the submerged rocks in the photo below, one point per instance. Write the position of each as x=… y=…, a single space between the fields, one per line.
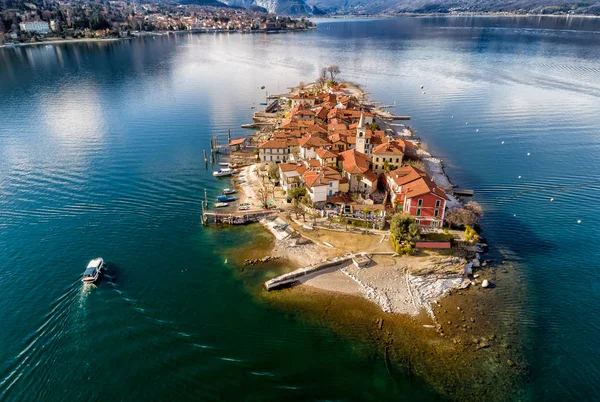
x=255 y=261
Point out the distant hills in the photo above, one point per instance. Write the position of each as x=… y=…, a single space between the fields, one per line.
x=444 y=6
x=362 y=7
x=282 y=7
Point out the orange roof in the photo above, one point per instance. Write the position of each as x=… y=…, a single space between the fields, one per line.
x=287 y=167
x=323 y=153
x=273 y=144
x=321 y=178
x=313 y=163
x=406 y=174
x=370 y=176
x=354 y=162
x=313 y=142
x=421 y=186
x=238 y=141
x=389 y=148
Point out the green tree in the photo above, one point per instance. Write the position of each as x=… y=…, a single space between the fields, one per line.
x=274 y=173
x=403 y=227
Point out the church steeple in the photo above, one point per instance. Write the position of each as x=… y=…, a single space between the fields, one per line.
x=361 y=122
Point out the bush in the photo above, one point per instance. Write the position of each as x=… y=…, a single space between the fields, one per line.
x=404 y=249
x=404 y=227
x=283 y=192
x=471 y=235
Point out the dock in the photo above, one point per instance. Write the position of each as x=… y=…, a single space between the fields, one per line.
x=462 y=192
x=292 y=277
x=210 y=217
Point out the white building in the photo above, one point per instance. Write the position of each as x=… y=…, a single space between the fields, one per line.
x=39 y=27
x=273 y=151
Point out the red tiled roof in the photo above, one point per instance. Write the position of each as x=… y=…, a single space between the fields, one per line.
x=389 y=148
x=238 y=141
x=406 y=174
x=273 y=144
x=323 y=153
x=421 y=186
x=313 y=142
x=354 y=162
x=287 y=167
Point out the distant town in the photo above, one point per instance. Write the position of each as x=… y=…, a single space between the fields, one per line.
x=31 y=22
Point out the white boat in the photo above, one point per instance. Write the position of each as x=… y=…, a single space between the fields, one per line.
x=221 y=204
x=228 y=191
x=244 y=207
x=223 y=172
x=92 y=272
x=224 y=164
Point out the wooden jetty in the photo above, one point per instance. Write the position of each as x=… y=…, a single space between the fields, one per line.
x=292 y=277
x=463 y=192
x=235 y=218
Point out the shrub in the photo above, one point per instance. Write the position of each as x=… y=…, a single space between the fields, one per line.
x=471 y=235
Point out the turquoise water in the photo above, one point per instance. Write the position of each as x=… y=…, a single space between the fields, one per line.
x=101 y=155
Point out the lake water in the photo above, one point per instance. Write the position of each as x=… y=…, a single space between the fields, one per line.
x=101 y=155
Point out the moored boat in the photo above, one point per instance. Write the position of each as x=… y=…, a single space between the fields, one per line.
x=226 y=198
x=228 y=191
x=244 y=207
x=226 y=164
x=92 y=272
x=223 y=172
x=221 y=204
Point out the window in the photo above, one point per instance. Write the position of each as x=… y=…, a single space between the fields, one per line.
x=330 y=184
x=418 y=211
x=397 y=160
x=264 y=158
x=330 y=192
x=376 y=160
x=420 y=202
x=271 y=157
x=437 y=203
x=436 y=212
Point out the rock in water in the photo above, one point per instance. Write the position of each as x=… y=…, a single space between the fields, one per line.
x=485 y=283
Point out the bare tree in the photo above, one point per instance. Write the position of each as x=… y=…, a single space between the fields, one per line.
x=263 y=195
x=322 y=80
x=333 y=71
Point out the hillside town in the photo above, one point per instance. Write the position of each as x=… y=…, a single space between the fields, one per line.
x=30 y=22
x=327 y=153
x=332 y=155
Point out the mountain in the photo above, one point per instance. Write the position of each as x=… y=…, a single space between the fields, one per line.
x=281 y=7
x=444 y=6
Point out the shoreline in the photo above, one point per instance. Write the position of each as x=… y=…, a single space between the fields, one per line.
x=459 y=14
x=410 y=292
x=143 y=35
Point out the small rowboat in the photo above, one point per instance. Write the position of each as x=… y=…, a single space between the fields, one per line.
x=221 y=204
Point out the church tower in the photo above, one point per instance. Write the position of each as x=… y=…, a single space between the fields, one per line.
x=361 y=136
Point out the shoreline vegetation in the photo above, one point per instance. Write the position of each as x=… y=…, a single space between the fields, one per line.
x=54 y=41
x=429 y=313
x=455 y=14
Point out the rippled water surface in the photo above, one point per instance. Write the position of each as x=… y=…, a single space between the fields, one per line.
x=101 y=155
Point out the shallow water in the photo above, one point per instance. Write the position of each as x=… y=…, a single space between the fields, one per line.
x=101 y=155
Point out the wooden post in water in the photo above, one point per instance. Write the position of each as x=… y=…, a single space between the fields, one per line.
x=205 y=198
x=211 y=145
x=205 y=158
x=212 y=159
x=228 y=136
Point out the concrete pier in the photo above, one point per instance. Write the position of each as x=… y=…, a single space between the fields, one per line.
x=294 y=276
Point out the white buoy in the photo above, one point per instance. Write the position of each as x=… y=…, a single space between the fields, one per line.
x=551 y=199
x=225 y=260
x=452 y=116
x=467 y=123
x=422 y=86
x=515 y=215
x=503 y=142
x=528 y=153
x=519 y=177
x=423 y=92
x=477 y=130
x=579 y=221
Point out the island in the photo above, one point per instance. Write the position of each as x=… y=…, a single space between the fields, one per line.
x=360 y=210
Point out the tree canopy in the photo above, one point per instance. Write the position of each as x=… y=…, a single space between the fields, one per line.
x=404 y=227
